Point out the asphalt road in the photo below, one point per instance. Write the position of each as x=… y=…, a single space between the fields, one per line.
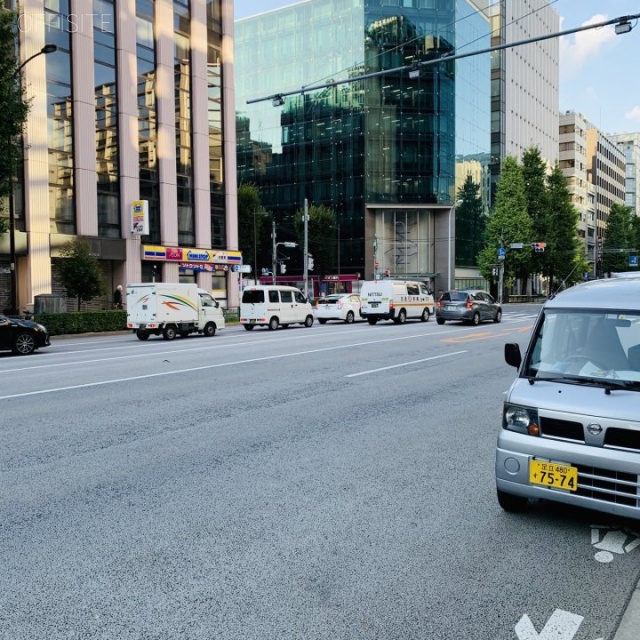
x=333 y=482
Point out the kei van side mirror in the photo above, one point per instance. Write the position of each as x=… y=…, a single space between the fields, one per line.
x=512 y=354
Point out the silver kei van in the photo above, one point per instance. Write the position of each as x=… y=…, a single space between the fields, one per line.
x=571 y=419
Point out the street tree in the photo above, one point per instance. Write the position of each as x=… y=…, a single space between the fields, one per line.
x=322 y=236
x=470 y=223
x=619 y=238
x=534 y=172
x=79 y=272
x=508 y=223
x=253 y=223
x=565 y=253
x=13 y=105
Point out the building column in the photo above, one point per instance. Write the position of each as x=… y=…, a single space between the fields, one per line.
x=84 y=117
x=36 y=279
x=229 y=145
x=128 y=136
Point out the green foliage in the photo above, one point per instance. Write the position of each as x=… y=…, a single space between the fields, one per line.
x=534 y=172
x=322 y=236
x=619 y=238
x=508 y=223
x=83 y=321
x=565 y=261
x=470 y=218
x=80 y=273
x=253 y=223
x=13 y=106
x=4 y=226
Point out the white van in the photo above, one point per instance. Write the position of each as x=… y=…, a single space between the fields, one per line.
x=571 y=419
x=396 y=300
x=272 y=306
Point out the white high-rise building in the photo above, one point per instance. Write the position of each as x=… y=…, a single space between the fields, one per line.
x=524 y=81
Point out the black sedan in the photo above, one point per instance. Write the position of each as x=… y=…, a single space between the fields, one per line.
x=471 y=305
x=22 y=336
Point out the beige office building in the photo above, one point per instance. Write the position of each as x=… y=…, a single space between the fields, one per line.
x=129 y=145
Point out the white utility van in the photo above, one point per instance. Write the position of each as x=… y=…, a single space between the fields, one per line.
x=273 y=305
x=397 y=300
x=170 y=309
x=571 y=419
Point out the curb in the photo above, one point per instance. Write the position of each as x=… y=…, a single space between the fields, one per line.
x=630 y=624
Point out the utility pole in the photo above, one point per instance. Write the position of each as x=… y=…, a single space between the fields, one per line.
x=274 y=248
x=305 y=268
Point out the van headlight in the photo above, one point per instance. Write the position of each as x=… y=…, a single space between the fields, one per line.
x=520 y=419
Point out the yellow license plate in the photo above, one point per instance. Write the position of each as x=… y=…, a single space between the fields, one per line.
x=553 y=475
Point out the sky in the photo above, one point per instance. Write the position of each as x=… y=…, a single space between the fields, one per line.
x=598 y=69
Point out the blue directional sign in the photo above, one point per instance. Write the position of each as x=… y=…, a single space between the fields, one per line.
x=633 y=261
x=502 y=252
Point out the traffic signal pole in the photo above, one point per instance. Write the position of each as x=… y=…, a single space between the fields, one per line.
x=305 y=257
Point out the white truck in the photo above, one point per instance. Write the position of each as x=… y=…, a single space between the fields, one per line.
x=170 y=309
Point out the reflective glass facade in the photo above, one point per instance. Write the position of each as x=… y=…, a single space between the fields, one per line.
x=382 y=151
x=147 y=115
x=106 y=104
x=60 y=117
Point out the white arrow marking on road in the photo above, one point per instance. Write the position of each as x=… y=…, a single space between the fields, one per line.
x=562 y=625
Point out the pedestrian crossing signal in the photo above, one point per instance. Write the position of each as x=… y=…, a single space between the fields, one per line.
x=538 y=247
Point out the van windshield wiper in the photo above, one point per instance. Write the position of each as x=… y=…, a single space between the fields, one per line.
x=608 y=384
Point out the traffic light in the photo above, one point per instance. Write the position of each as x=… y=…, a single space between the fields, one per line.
x=387 y=273
x=538 y=247
x=310 y=262
x=283 y=267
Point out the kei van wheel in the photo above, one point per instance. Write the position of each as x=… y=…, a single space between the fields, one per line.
x=210 y=329
x=511 y=503
x=24 y=344
x=273 y=323
x=372 y=320
x=308 y=321
x=425 y=315
x=248 y=327
x=169 y=333
x=141 y=334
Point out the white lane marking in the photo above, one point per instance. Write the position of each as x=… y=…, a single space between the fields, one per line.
x=562 y=625
x=404 y=364
x=192 y=369
x=148 y=354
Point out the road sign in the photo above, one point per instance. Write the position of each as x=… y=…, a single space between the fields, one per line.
x=633 y=261
x=502 y=252
x=241 y=268
x=517 y=245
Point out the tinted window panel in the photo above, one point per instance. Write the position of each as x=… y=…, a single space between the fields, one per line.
x=253 y=297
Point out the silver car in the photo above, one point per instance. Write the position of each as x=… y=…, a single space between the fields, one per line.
x=338 y=306
x=468 y=305
x=571 y=419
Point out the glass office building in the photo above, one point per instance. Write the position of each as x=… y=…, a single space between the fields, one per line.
x=388 y=152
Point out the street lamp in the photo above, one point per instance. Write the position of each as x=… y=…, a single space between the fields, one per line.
x=48 y=48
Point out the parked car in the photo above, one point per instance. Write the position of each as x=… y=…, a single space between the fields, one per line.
x=469 y=305
x=338 y=306
x=22 y=336
x=570 y=426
